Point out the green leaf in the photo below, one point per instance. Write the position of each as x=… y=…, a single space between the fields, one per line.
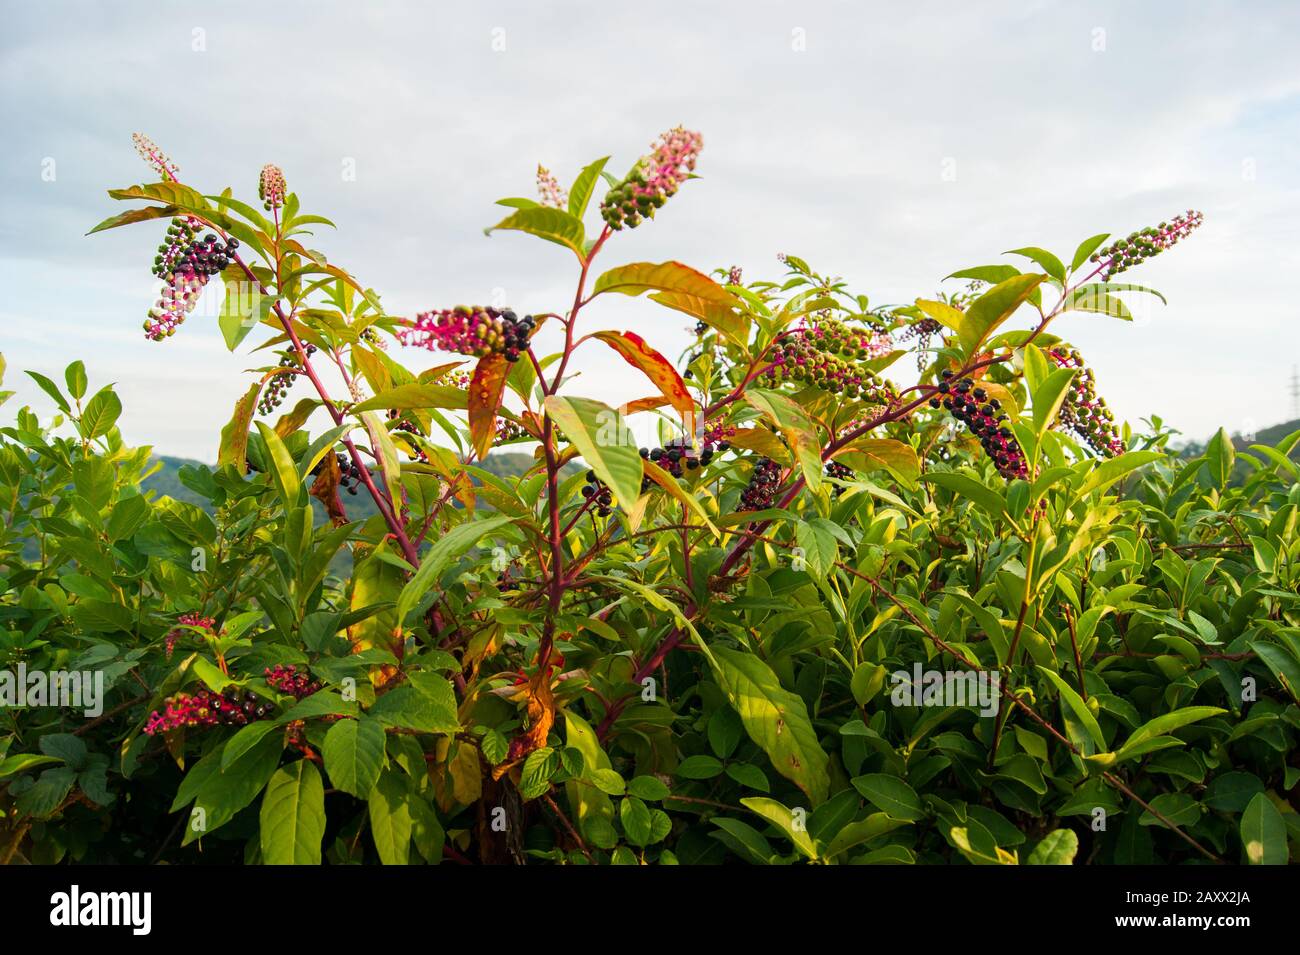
x=671 y=277
x=553 y=225
x=1284 y=665
x=1103 y=475
x=354 y=755
x=407 y=708
x=776 y=719
x=1220 y=457
x=798 y=429
x=783 y=818
x=648 y=787
x=390 y=819
x=987 y=498
x=283 y=471
x=1046 y=260
x=52 y=390
x=246 y=739
x=220 y=794
x=102 y=412
x=890 y=795
x=818 y=548
x=867 y=681
x=75 y=376
x=636 y=819
x=22 y=762
x=243 y=307
x=1163 y=725
x=1048 y=398
x=856 y=833
x=986 y=313
x=415 y=396
x=1263 y=833
x=583 y=187
x=600 y=436
x=47 y=793
x=538 y=768
x=445 y=549
x=1057 y=848
x=134 y=215
x=293 y=816
x=870 y=454
x=700 y=766
x=1086 y=248
x=1076 y=706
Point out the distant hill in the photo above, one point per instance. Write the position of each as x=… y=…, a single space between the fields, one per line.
x=1270 y=436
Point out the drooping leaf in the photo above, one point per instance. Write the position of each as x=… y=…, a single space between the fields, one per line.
x=486 y=389
x=599 y=435
x=639 y=354
x=553 y=225
x=776 y=719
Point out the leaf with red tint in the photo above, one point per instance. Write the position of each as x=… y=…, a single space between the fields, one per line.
x=485 y=391
x=636 y=351
x=645 y=404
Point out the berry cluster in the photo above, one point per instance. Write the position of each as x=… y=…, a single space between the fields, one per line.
x=972 y=406
x=271 y=187
x=456 y=379
x=186 y=620
x=509 y=430
x=166 y=169
x=550 y=190
x=922 y=331
x=840 y=472
x=1139 y=246
x=205 y=708
x=734 y=275
x=827 y=355
x=279 y=385
x=1084 y=411
x=289 y=679
x=653 y=180
x=185 y=264
x=402 y=423
x=371 y=337
x=679 y=455
x=760 y=493
x=595 y=491
x=470 y=330
x=349 y=473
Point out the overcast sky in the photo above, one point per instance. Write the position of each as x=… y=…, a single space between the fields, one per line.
x=890 y=143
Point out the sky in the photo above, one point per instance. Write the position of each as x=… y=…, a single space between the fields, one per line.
x=887 y=143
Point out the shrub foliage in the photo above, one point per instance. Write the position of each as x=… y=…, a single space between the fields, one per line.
x=816 y=613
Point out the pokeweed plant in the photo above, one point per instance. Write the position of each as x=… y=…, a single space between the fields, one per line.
x=823 y=616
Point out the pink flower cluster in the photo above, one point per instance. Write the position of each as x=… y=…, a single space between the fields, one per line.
x=549 y=188
x=186 y=620
x=158 y=161
x=653 y=180
x=469 y=330
x=271 y=187
x=206 y=708
x=289 y=679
